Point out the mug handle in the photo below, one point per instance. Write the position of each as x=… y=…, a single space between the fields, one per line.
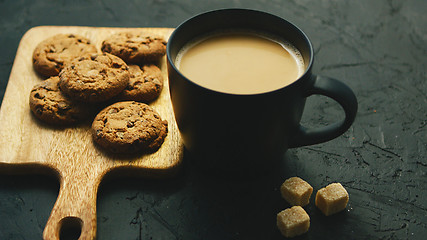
x=342 y=94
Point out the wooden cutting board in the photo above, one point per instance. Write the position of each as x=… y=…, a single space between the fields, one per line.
x=26 y=145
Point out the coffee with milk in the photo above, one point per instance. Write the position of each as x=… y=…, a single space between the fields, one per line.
x=240 y=62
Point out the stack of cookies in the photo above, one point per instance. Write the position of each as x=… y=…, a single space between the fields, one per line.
x=122 y=76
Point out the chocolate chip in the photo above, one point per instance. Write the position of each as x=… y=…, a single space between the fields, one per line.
x=37 y=95
x=63 y=106
x=39 y=110
x=113 y=110
x=116 y=65
x=103 y=72
x=120 y=134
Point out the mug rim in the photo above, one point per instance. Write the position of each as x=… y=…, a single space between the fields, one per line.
x=195 y=17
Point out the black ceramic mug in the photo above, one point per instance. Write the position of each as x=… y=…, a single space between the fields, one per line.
x=247 y=131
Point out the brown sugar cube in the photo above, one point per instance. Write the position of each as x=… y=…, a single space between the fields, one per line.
x=293 y=221
x=331 y=199
x=296 y=191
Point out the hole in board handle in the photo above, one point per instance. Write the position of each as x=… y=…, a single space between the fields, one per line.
x=71 y=228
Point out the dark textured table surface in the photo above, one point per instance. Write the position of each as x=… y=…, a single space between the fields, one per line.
x=378 y=48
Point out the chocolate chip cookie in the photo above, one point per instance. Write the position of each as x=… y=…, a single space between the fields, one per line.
x=50 y=55
x=129 y=127
x=145 y=84
x=50 y=105
x=135 y=47
x=94 y=78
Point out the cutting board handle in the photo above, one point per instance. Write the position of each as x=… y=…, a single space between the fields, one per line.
x=74 y=210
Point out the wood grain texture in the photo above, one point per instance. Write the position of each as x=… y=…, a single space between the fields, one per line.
x=27 y=145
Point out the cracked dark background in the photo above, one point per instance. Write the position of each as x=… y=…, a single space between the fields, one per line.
x=378 y=48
